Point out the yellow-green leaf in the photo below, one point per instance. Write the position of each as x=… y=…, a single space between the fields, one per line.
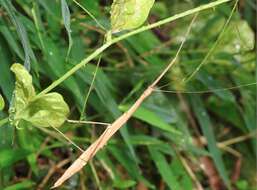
x=47 y=110
x=129 y=14
x=24 y=89
x=1 y=102
x=43 y=111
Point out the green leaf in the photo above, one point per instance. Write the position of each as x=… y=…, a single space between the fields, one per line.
x=181 y=174
x=1 y=102
x=125 y=160
x=66 y=20
x=129 y=14
x=43 y=111
x=208 y=132
x=124 y=184
x=47 y=110
x=26 y=184
x=9 y=37
x=6 y=79
x=164 y=169
x=150 y=117
x=24 y=90
x=10 y=156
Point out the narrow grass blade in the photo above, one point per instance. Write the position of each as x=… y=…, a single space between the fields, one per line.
x=21 y=32
x=26 y=184
x=208 y=132
x=164 y=169
x=150 y=117
x=66 y=21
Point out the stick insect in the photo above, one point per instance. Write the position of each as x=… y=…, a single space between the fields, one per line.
x=118 y=123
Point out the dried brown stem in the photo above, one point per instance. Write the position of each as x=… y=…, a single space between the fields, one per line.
x=188 y=169
x=51 y=172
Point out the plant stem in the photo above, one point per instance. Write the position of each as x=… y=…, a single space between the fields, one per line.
x=213 y=48
x=122 y=37
x=90 y=14
x=87 y=122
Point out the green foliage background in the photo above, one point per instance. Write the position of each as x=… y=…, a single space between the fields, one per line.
x=147 y=151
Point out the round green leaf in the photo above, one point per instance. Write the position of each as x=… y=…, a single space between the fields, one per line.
x=129 y=14
x=47 y=110
x=43 y=111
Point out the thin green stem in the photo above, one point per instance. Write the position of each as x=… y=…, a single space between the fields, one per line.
x=87 y=122
x=122 y=37
x=204 y=91
x=90 y=14
x=90 y=89
x=95 y=175
x=67 y=138
x=213 y=48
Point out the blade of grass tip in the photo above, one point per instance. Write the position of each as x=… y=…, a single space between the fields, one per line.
x=118 y=123
x=213 y=48
x=66 y=21
x=90 y=14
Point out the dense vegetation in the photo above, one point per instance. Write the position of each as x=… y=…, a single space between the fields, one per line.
x=195 y=131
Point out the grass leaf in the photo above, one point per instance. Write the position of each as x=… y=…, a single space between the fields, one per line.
x=208 y=132
x=67 y=22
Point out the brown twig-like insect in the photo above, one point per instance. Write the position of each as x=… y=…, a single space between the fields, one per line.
x=118 y=123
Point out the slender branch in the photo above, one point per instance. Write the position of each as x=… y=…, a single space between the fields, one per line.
x=189 y=171
x=69 y=140
x=236 y=140
x=87 y=122
x=205 y=91
x=52 y=171
x=95 y=175
x=90 y=14
x=90 y=88
x=122 y=37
